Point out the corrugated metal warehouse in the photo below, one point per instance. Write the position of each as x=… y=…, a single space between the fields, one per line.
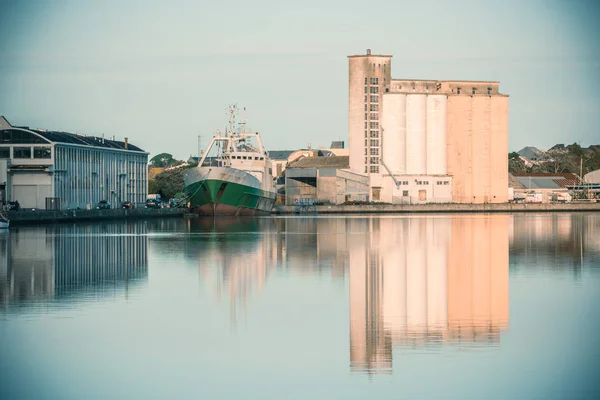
x=70 y=170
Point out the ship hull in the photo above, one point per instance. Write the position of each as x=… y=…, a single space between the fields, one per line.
x=227 y=192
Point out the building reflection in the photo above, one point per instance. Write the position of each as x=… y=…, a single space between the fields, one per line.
x=44 y=263
x=426 y=281
x=566 y=239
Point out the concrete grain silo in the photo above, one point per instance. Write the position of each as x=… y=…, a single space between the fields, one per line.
x=416 y=134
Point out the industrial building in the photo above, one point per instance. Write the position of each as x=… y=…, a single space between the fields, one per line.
x=426 y=141
x=57 y=170
x=324 y=179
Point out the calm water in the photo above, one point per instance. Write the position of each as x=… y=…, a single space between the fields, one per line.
x=461 y=306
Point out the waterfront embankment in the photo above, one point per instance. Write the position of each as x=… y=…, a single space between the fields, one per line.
x=444 y=208
x=45 y=217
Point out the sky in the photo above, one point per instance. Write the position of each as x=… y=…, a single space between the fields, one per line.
x=162 y=73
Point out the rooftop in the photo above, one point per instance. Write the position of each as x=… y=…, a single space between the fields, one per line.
x=70 y=138
x=339 y=162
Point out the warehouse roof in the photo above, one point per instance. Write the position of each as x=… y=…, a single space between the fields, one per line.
x=340 y=162
x=11 y=131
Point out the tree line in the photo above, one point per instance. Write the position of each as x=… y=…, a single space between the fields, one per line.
x=571 y=159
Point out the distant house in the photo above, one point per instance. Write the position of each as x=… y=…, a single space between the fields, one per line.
x=530 y=153
x=546 y=185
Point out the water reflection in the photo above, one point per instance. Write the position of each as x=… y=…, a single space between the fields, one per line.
x=425 y=281
x=412 y=281
x=66 y=261
x=554 y=241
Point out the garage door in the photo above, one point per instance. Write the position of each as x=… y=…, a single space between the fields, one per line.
x=26 y=195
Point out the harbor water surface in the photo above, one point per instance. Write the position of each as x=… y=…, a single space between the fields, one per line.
x=444 y=306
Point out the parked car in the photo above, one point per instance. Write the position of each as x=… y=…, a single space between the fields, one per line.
x=103 y=205
x=153 y=203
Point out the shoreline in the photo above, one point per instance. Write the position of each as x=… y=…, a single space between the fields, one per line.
x=442 y=208
x=20 y=218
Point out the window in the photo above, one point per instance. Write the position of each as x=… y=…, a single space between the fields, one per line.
x=4 y=152
x=374 y=107
x=374 y=169
x=412 y=85
x=374 y=134
x=366 y=141
x=405 y=193
x=366 y=89
x=374 y=160
x=457 y=90
x=366 y=115
x=374 y=99
x=474 y=91
x=365 y=124
x=425 y=182
x=446 y=182
x=387 y=90
x=22 y=152
x=244 y=157
x=489 y=90
x=366 y=151
x=365 y=134
x=365 y=99
x=366 y=107
x=406 y=182
x=374 y=89
x=374 y=125
x=374 y=116
x=41 y=152
x=365 y=80
x=374 y=151
x=374 y=142
x=15 y=136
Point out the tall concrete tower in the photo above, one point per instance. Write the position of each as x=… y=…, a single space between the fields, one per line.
x=368 y=78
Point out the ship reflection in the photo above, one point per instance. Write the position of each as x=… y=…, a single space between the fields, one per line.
x=39 y=264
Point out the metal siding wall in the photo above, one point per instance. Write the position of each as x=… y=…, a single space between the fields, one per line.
x=416 y=134
x=436 y=134
x=394 y=134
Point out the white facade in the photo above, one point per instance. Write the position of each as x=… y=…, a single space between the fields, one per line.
x=416 y=134
x=436 y=134
x=415 y=189
x=393 y=143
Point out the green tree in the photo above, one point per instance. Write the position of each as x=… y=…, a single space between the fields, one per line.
x=513 y=155
x=162 y=160
x=169 y=183
x=593 y=162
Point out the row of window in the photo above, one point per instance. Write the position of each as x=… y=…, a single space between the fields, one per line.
x=244 y=158
x=374 y=151
x=474 y=90
x=372 y=81
x=26 y=152
x=374 y=98
x=443 y=182
x=372 y=108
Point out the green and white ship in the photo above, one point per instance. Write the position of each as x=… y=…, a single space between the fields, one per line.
x=233 y=176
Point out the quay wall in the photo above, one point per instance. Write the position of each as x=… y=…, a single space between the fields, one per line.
x=445 y=208
x=45 y=217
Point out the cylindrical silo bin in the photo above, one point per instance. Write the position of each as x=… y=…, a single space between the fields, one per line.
x=393 y=121
x=436 y=134
x=416 y=134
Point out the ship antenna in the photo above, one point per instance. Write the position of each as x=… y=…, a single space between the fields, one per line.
x=232 y=111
